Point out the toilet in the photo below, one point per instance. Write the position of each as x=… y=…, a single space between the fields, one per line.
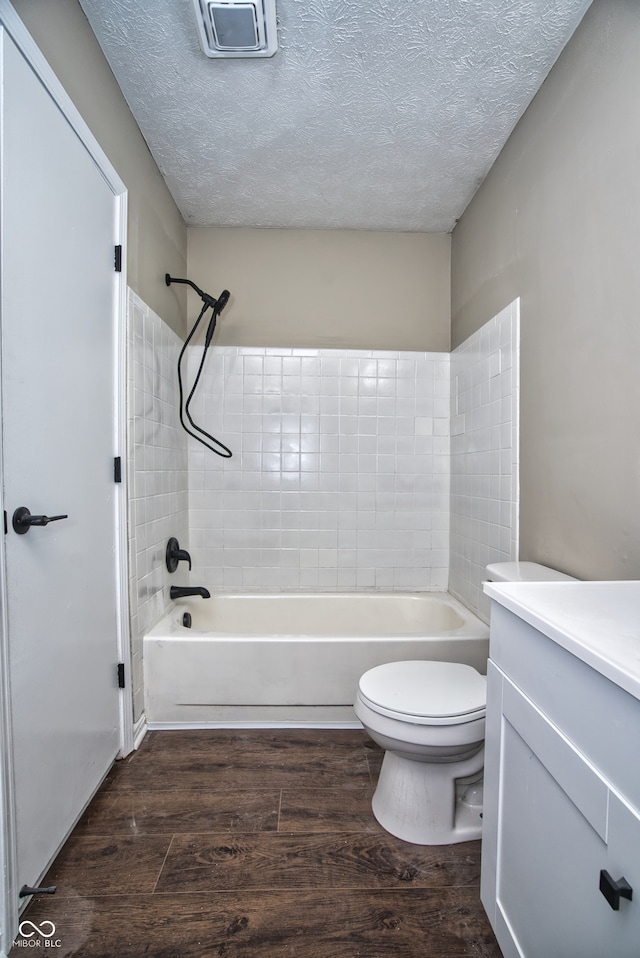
x=429 y=717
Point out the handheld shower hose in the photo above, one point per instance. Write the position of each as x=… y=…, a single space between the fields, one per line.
x=216 y=305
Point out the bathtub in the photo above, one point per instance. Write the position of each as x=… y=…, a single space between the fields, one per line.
x=293 y=659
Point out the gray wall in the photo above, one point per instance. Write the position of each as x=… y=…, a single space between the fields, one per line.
x=157 y=236
x=556 y=222
x=354 y=289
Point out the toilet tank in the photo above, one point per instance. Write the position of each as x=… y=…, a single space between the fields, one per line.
x=524 y=572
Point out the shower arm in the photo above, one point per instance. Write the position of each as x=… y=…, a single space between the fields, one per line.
x=209 y=301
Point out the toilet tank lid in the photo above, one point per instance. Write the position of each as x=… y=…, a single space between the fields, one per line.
x=524 y=572
x=425 y=689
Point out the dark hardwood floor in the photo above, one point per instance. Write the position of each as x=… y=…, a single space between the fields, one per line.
x=243 y=843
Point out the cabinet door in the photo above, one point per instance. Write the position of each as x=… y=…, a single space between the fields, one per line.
x=558 y=826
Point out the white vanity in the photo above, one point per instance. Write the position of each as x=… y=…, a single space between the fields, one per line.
x=561 y=836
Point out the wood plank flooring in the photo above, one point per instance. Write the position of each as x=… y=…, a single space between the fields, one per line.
x=255 y=844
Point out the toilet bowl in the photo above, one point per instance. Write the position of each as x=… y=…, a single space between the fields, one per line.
x=429 y=717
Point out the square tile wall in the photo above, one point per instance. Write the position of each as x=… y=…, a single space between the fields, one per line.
x=157 y=474
x=339 y=478
x=484 y=455
x=343 y=475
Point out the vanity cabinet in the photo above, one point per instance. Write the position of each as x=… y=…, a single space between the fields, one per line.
x=561 y=833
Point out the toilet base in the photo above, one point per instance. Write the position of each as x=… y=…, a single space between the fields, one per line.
x=418 y=801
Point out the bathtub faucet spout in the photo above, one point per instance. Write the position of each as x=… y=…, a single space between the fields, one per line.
x=178 y=591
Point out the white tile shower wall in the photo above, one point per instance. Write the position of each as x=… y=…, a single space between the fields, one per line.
x=339 y=478
x=157 y=463
x=484 y=455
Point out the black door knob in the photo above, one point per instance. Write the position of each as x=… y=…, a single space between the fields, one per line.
x=23 y=520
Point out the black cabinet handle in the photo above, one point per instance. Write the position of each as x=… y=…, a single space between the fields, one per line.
x=613 y=891
x=23 y=520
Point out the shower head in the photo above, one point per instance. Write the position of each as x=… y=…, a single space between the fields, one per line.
x=216 y=304
x=223 y=299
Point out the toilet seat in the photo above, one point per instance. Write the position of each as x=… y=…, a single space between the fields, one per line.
x=425 y=692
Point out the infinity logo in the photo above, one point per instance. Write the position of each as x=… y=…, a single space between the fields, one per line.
x=37 y=929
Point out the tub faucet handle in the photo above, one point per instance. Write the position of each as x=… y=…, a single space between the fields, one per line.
x=175 y=554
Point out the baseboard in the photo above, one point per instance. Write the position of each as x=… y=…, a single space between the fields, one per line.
x=139 y=731
x=174 y=726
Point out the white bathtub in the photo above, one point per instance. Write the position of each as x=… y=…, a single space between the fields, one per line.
x=293 y=659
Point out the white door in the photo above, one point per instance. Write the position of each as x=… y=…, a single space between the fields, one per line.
x=58 y=290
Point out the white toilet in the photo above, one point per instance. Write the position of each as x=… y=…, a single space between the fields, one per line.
x=430 y=719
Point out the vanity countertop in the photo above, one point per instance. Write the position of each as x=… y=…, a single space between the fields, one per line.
x=598 y=622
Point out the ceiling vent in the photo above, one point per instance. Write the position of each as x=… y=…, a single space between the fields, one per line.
x=237 y=28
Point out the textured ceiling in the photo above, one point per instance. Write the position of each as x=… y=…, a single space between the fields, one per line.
x=384 y=114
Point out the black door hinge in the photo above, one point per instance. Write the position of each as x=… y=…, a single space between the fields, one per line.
x=118 y=259
x=6 y=527
x=117 y=469
x=120 y=675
